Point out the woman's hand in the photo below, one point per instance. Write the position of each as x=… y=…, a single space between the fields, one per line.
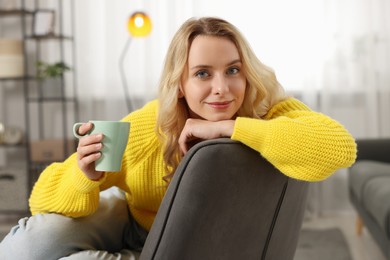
x=88 y=151
x=196 y=130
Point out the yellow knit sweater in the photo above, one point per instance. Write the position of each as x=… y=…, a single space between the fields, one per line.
x=302 y=144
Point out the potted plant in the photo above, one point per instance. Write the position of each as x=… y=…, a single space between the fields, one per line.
x=55 y=70
x=49 y=74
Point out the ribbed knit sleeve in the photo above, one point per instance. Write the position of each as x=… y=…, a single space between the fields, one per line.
x=63 y=188
x=301 y=143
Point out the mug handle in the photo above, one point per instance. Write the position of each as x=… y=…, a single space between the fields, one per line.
x=76 y=127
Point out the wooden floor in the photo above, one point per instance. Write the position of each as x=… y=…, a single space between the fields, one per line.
x=362 y=247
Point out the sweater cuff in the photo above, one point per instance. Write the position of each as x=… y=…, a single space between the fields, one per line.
x=82 y=183
x=251 y=132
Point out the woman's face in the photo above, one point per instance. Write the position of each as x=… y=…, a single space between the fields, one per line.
x=213 y=82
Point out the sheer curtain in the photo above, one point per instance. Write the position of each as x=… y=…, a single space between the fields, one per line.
x=351 y=83
x=101 y=36
x=332 y=54
x=353 y=80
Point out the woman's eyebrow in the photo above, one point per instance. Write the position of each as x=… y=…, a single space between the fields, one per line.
x=201 y=66
x=234 y=62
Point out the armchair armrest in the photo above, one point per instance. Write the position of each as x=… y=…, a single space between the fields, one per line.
x=374 y=149
x=226 y=201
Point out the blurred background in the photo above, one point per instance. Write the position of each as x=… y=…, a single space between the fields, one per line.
x=334 y=55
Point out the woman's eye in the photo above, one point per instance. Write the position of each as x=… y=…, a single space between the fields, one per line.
x=232 y=71
x=202 y=74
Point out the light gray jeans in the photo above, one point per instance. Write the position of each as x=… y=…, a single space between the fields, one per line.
x=110 y=233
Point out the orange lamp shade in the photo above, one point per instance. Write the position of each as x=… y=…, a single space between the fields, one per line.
x=139 y=24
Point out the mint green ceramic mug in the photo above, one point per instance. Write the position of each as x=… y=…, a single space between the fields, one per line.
x=116 y=134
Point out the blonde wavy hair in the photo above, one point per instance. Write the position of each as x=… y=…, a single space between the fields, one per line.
x=262 y=89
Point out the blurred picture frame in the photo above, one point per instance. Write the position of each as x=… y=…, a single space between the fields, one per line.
x=43 y=23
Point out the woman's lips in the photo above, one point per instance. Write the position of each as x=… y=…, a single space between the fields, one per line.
x=220 y=104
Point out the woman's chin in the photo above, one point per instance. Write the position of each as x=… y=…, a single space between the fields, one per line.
x=216 y=118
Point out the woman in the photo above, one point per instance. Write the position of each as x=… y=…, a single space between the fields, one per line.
x=212 y=86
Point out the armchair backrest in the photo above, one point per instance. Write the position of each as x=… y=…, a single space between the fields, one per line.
x=227 y=202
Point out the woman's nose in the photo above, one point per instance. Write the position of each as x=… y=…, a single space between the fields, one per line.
x=220 y=85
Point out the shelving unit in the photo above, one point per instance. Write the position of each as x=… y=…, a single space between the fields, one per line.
x=47 y=109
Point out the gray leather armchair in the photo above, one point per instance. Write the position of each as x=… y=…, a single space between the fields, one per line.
x=227 y=202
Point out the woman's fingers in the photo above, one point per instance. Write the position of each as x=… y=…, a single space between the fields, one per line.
x=88 y=151
x=88 y=148
x=85 y=163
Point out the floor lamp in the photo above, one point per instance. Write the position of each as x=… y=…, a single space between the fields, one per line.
x=138 y=25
